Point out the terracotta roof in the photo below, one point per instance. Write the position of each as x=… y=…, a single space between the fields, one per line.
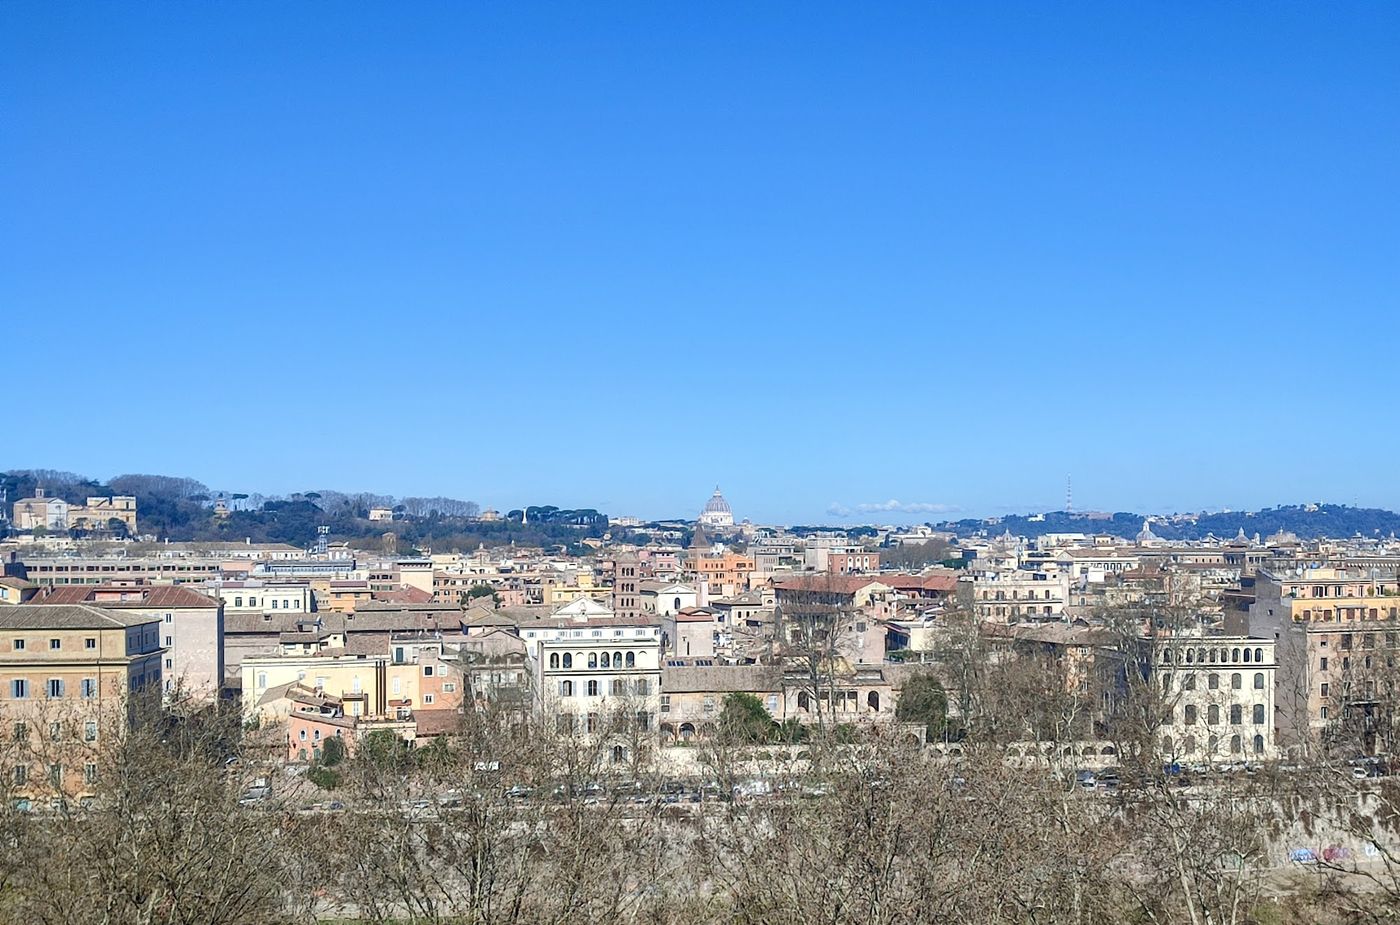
x=407 y=595
x=150 y=596
x=827 y=584
x=436 y=722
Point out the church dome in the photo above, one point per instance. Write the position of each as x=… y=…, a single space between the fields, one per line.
x=716 y=512
x=717 y=504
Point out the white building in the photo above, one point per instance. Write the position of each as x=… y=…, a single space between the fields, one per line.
x=1220 y=691
x=665 y=598
x=591 y=665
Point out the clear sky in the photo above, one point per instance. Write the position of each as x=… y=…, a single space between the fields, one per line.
x=611 y=255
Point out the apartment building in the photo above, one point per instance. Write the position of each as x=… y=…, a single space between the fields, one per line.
x=1016 y=595
x=590 y=663
x=1335 y=629
x=191 y=628
x=1220 y=691
x=96 y=570
x=67 y=675
x=372 y=676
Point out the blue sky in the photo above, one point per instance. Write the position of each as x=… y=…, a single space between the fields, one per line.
x=610 y=255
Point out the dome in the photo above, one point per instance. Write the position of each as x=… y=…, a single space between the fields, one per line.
x=716 y=512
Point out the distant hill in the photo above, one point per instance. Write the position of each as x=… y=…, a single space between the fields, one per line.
x=178 y=509
x=1307 y=522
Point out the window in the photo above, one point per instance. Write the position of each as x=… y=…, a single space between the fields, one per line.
x=90 y=773
x=616 y=687
x=1236 y=681
x=568 y=660
x=592 y=659
x=554 y=660
x=631 y=660
x=1188 y=683
x=1322 y=665
x=427 y=671
x=593 y=688
x=1258 y=714
x=90 y=731
x=55 y=688
x=772 y=703
x=1213 y=682
x=449 y=687
x=262 y=679
x=709 y=703
x=21 y=731
x=1190 y=715
x=302 y=735
x=1236 y=714
x=55 y=644
x=21 y=774
x=19 y=688
x=19 y=645
x=170 y=618
x=169 y=641
x=643 y=721
x=665 y=703
x=428 y=699
x=1213 y=714
x=88 y=688
x=56 y=775
x=566 y=688
x=1322 y=714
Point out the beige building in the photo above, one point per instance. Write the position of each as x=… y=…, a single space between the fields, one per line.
x=1220 y=690
x=40 y=512
x=191 y=628
x=67 y=674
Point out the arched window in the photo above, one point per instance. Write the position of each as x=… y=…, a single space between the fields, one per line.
x=1166 y=655
x=1188 y=683
x=1212 y=745
x=1247 y=654
x=1190 y=656
x=605 y=661
x=1258 y=714
x=1200 y=655
x=1234 y=655
x=618 y=755
x=617 y=659
x=1188 y=745
x=566 y=689
x=1213 y=714
x=1259 y=680
x=631 y=659
x=554 y=660
x=872 y=700
x=1212 y=656
x=1213 y=682
x=1258 y=655
x=1258 y=745
x=678 y=604
x=593 y=688
x=592 y=659
x=1236 y=714
x=1235 y=745
x=1236 y=681
x=803 y=702
x=1166 y=745
x=1190 y=714
x=568 y=660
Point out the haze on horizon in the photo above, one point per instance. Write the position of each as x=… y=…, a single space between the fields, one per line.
x=609 y=256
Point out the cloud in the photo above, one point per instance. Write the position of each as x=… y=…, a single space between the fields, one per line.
x=892 y=506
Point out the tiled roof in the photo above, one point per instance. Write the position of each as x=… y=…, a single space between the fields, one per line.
x=66 y=616
x=150 y=596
